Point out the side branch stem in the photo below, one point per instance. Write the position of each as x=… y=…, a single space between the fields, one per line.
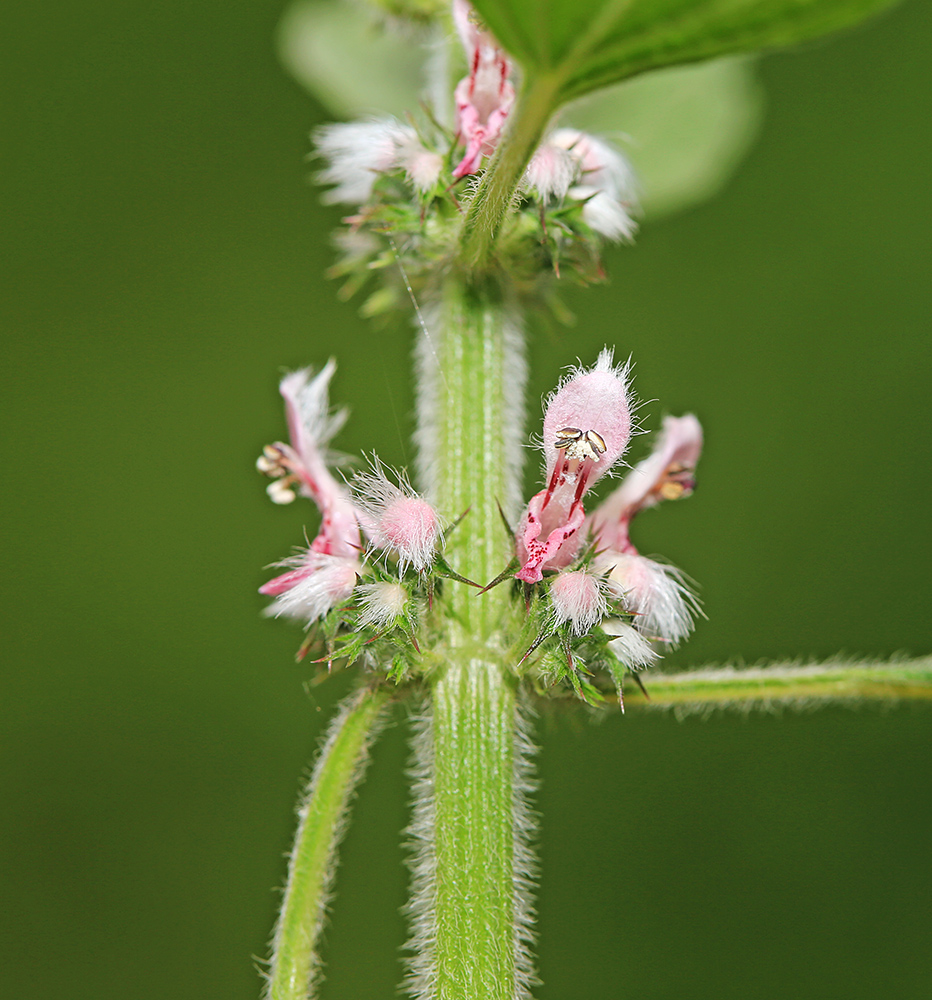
x=339 y=768
x=786 y=684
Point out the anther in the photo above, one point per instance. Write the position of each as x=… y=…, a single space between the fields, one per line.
x=279 y=491
x=676 y=482
x=580 y=445
x=273 y=461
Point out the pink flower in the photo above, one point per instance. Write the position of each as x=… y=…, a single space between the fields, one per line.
x=324 y=574
x=396 y=519
x=656 y=593
x=587 y=424
x=668 y=473
x=316 y=584
x=484 y=98
x=357 y=152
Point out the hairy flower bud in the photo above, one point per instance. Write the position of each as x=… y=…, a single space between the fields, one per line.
x=316 y=584
x=396 y=519
x=605 y=182
x=357 y=152
x=380 y=604
x=551 y=171
x=654 y=592
x=629 y=645
x=578 y=597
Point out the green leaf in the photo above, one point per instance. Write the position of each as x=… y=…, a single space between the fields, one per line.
x=585 y=46
x=685 y=129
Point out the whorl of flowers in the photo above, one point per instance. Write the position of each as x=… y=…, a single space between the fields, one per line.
x=595 y=603
x=409 y=184
x=602 y=605
x=356 y=570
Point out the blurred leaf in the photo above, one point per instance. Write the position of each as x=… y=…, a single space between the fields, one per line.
x=685 y=129
x=417 y=11
x=348 y=61
x=591 y=45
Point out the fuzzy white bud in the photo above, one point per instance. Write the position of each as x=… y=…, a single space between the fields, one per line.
x=380 y=604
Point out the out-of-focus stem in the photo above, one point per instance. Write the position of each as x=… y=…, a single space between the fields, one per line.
x=322 y=813
x=786 y=684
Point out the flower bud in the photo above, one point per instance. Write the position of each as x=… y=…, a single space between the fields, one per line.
x=316 y=584
x=606 y=183
x=655 y=593
x=578 y=598
x=629 y=645
x=357 y=152
x=380 y=604
x=396 y=519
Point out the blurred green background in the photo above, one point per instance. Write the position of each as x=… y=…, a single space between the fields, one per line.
x=163 y=261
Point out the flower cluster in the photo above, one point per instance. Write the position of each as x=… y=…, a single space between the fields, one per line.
x=409 y=183
x=598 y=604
x=375 y=557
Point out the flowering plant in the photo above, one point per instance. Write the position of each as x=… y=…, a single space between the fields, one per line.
x=459 y=593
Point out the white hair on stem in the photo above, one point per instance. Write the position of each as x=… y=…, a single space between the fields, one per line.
x=422 y=963
x=523 y=786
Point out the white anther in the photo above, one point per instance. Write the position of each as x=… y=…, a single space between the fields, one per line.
x=279 y=492
x=268 y=467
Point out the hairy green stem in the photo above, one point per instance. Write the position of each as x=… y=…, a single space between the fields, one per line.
x=488 y=210
x=470 y=908
x=322 y=814
x=786 y=684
